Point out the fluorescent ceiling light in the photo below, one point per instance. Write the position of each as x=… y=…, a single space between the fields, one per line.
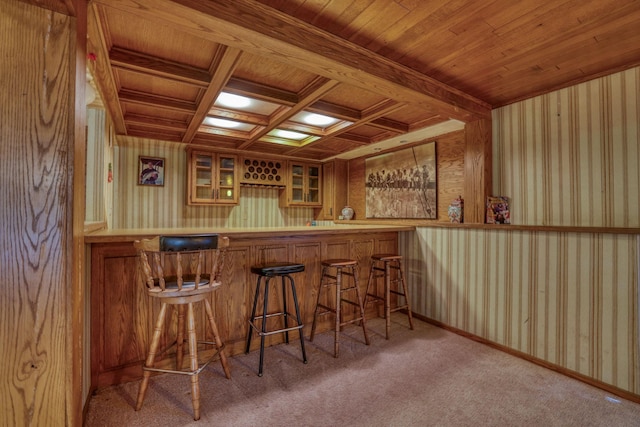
x=233 y=101
x=289 y=134
x=319 y=119
x=212 y=121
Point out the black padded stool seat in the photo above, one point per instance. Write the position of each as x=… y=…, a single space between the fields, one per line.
x=258 y=322
x=277 y=269
x=381 y=267
x=327 y=280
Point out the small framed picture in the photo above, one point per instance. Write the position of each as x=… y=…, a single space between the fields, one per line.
x=150 y=171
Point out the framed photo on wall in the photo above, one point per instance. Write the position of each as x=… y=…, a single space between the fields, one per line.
x=150 y=171
x=402 y=184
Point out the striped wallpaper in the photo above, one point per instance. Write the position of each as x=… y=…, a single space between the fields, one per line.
x=568 y=158
x=137 y=206
x=567 y=298
x=572 y=157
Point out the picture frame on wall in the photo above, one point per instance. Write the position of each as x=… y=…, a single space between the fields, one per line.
x=402 y=184
x=151 y=171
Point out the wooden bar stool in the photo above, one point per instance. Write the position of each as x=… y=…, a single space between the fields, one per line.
x=327 y=280
x=381 y=266
x=182 y=271
x=258 y=322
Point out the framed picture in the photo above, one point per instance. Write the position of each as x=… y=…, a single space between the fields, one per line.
x=150 y=171
x=402 y=184
x=498 y=210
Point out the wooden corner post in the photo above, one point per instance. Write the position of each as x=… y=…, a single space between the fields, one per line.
x=477 y=170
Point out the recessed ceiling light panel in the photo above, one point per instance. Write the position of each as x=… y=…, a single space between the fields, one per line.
x=233 y=101
x=319 y=119
x=222 y=123
x=287 y=134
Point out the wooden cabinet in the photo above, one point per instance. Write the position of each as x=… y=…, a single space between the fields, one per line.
x=212 y=178
x=335 y=182
x=304 y=185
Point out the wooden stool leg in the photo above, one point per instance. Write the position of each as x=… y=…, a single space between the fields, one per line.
x=387 y=298
x=253 y=315
x=406 y=292
x=336 y=343
x=142 y=391
x=263 y=335
x=180 y=337
x=217 y=339
x=298 y=316
x=369 y=281
x=193 y=358
x=354 y=269
x=315 y=313
x=285 y=314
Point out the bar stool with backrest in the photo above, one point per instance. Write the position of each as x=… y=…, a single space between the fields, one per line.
x=343 y=267
x=181 y=271
x=260 y=321
x=381 y=267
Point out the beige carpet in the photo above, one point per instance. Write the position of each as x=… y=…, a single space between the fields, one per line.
x=425 y=377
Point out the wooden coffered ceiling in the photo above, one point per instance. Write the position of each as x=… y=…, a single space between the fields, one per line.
x=383 y=69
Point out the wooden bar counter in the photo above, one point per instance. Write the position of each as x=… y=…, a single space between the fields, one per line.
x=122 y=315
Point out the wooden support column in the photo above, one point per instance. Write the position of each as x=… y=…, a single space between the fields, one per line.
x=477 y=170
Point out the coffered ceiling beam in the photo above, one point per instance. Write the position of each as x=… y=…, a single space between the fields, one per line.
x=261 y=92
x=101 y=68
x=371 y=113
x=222 y=66
x=308 y=95
x=156 y=101
x=135 y=61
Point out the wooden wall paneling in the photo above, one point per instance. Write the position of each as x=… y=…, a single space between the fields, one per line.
x=120 y=311
x=337 y=248
x=231 y=301
x=450 y=150
x=41 y=239
x=477 y=170
x=306 y=282
x=357 y=195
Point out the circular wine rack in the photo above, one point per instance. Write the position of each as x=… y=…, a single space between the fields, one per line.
x=263 y=172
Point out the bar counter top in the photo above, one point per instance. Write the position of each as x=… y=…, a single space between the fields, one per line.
x=129 y=235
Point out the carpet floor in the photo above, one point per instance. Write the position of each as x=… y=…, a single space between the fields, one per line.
x=425 y=377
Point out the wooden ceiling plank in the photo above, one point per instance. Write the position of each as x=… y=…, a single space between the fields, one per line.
x=221 y=69
x=135 y=61
x=261 y=30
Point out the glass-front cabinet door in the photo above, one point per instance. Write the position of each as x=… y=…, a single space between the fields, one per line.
x=304 y=187
x=228 y=183
x=212 y=178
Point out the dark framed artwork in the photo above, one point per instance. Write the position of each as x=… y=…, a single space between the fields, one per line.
x=402 y=184
x=150 y=171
